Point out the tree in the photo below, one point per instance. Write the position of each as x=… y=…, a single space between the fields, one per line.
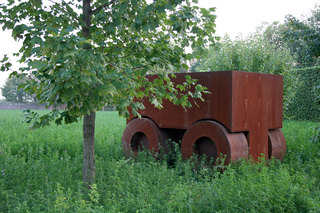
x=194 y=66
x=300 y=36
x=274 y=33
x=305 y=35
x=98 y=52
x=11 y=93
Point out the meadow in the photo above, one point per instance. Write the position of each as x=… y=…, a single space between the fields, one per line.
x=41 y=171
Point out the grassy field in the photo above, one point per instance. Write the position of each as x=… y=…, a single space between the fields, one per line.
x=41 y=171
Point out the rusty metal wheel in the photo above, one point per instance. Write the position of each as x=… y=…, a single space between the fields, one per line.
x=142 y=134
x=212 y=139
x=277 y=146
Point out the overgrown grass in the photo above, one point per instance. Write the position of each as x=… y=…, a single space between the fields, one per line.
x=41 y=171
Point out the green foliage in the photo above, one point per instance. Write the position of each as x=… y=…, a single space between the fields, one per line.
x=316 y=137
x=87 y=56
x=302 y=99
x=303 y=37
x=194 y=66
x=299 y=36
x=252 y=53
x=39 y=172
x=274 y=33
x=12 y=93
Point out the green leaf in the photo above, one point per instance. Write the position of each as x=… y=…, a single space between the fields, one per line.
x=67 y=84
x=124 y=103
x=88 y=41
x=69 y=29
x=160 y=9
x=111 y=90
x=140 y=94
x=123 y=6
x=181 y=87
x=169 y=6
x=116 y=21
x=71 y=53
x=71 y=93
x=86 y=79
x=212 y=9
x=146 y=27
x=84 y=110
x=22 y=86
x=184 y=66
x=156 y=103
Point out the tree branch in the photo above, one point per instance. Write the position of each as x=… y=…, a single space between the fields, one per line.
x=139 y=67
x=102 y=6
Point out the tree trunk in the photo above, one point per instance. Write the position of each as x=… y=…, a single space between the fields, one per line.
x=88 y=170
x=20 y=97
x=89 y=166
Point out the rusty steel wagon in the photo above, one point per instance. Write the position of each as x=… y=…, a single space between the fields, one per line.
x=241 y=117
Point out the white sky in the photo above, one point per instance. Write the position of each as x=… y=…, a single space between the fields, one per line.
x=233 y=17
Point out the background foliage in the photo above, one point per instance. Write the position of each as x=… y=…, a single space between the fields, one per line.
x=252 y=53
x=12 y=93
x=302 y=36
x=303 y=97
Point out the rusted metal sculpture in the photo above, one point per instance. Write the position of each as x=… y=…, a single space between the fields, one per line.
x=241 y=116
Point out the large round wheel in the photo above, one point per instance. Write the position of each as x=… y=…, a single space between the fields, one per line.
x=277 y=146
x=212 y=139
x=143 y=134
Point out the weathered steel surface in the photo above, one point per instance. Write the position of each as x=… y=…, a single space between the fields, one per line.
x=277 y=144
x=245 y=102
x=141 y=134
x=211 y=138
x=144 y=134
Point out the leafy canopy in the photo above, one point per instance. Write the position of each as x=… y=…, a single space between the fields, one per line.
x=126 y=40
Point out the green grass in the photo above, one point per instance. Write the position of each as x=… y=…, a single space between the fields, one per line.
x=41 y=171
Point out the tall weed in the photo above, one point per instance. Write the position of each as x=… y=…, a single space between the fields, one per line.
x=41 y=171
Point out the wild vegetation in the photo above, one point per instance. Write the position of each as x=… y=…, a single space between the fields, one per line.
x=40 y=171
